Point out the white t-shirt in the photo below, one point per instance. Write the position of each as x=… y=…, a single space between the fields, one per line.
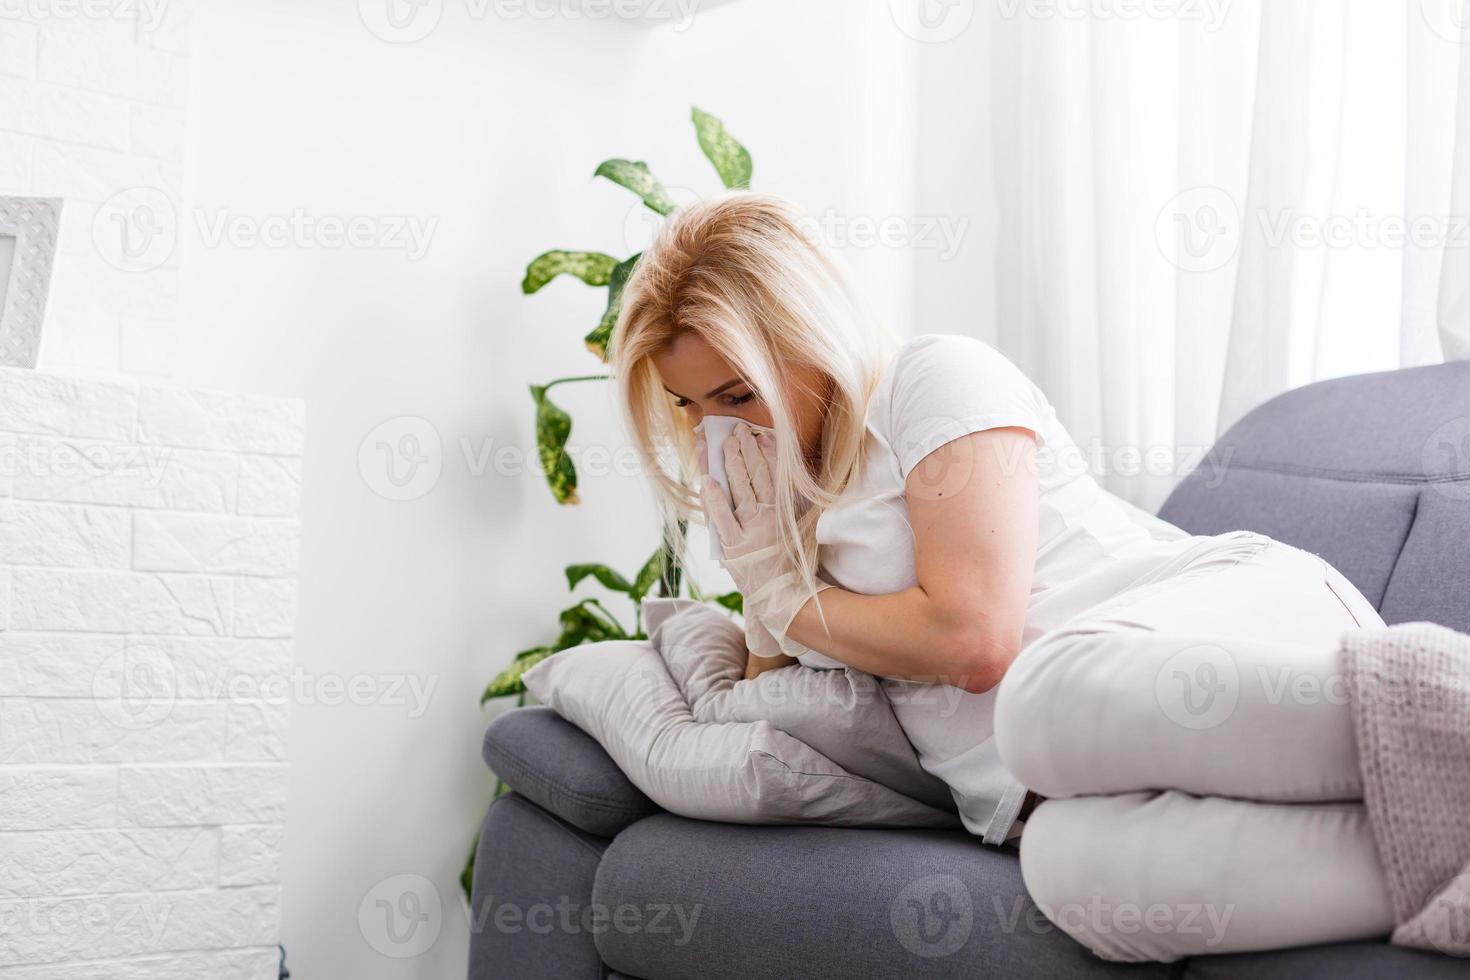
x=1091 y=543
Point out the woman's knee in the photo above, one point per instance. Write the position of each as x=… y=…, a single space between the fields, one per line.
x=1037 y=707
x=1161 y=876
x=1084 y=876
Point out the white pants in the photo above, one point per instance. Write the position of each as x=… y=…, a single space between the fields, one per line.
x=1193 y=741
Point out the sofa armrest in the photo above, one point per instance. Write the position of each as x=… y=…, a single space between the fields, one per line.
x=563 y=770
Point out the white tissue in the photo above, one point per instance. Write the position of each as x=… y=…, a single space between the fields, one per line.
x=716 y=429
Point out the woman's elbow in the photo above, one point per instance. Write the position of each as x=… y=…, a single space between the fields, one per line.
x=983 y=656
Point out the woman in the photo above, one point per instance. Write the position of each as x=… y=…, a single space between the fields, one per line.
x=917 y=511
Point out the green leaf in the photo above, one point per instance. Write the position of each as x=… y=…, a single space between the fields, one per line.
x=467 y=876
x=510 y=680
x=593 y=268
x=732 y=161
x=648 y=575
x=732 y=601
x=598 y=339
x=635 y=175
x=609 y=578
x=553 y=428
x=529 y=653
x=658 y=570
x=582 y=624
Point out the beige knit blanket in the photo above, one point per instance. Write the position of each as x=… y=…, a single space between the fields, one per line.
x=1409 y=687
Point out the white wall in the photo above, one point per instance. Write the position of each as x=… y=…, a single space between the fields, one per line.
x=148 y=547
x=488 y=130
x=92 y=110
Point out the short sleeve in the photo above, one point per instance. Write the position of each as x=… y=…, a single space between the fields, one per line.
x=945 y=386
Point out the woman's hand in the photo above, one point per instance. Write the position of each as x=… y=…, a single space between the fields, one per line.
x=750 y=536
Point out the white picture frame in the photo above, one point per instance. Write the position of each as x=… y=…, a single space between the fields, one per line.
x=29 y=228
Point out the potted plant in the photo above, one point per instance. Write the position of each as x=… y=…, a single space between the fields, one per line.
x=588 y=620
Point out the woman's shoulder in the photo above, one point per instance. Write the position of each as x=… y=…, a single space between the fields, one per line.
x=928 y=358
x=937 y=383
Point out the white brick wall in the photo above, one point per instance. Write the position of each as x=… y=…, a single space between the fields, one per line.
x=148 y=561
x=92 y=110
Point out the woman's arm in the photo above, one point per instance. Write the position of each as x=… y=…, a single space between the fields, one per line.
x=973 y=509
x=757 y=665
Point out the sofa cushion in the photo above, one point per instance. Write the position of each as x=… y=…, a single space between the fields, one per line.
x=818 y=902
x=1431 y=580
x=844 y=713
x=532 y=913
x=1358 y=527
x=1344 y=469
x=1340 y=961
x=563 y=770
x=620 y=693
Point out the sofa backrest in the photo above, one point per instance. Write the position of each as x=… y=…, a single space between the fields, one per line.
x=1371 y=472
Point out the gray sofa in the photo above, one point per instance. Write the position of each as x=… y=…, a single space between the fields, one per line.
x=579 y=875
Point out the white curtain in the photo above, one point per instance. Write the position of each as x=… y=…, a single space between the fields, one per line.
x=1205 y=205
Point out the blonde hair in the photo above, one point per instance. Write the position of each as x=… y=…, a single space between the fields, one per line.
x=747 y=273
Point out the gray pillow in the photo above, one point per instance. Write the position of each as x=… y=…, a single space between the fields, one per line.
x=620 y=693
x=844 y=714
